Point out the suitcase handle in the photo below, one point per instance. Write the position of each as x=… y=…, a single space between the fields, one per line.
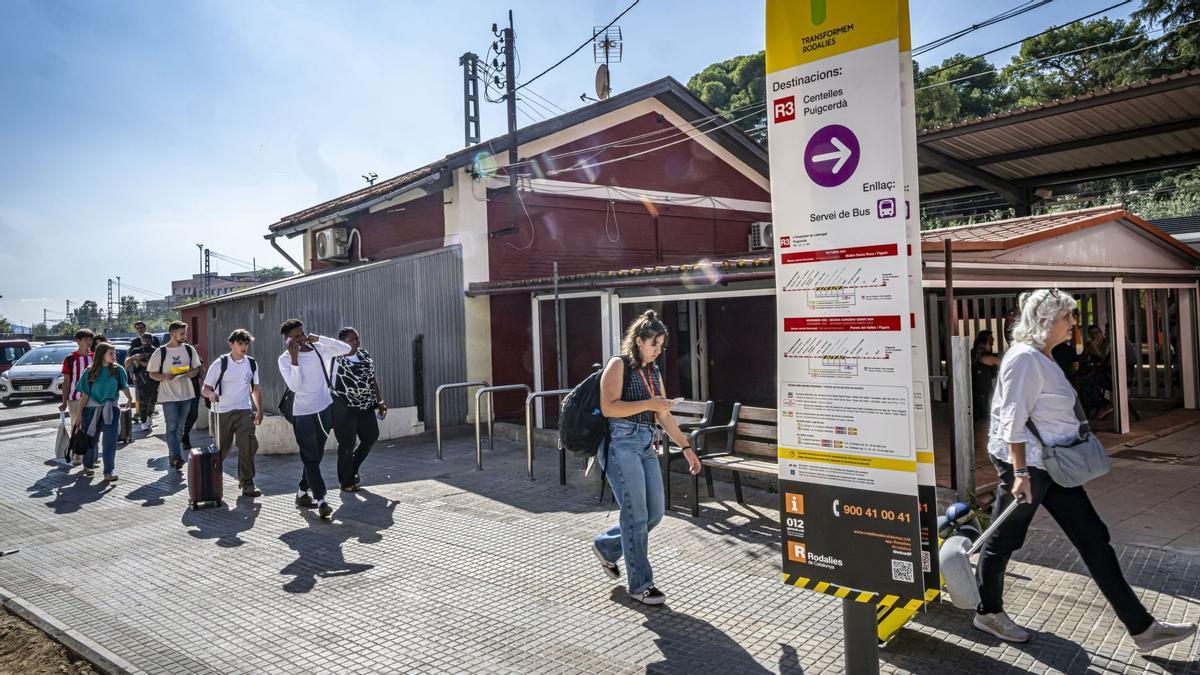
x=1008 y=511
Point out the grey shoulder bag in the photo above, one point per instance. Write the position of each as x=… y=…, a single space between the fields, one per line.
x=1077 y=463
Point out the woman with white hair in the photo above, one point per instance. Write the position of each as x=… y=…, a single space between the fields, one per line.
x=1033 y=402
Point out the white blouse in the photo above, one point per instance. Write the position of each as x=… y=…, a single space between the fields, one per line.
x=1030 y=385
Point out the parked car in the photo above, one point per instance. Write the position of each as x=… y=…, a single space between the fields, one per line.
x=10 y=351
x=38 y=374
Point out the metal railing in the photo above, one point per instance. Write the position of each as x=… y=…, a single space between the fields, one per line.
x=491 y=414
x=529 y=422
x=437 y=409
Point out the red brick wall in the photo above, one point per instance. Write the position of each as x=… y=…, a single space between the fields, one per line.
x=419 y=225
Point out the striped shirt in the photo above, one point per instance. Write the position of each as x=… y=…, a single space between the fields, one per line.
x=72 y=370
x=635 y=390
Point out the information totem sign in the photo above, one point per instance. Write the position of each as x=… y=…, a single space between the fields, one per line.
x=848 y=463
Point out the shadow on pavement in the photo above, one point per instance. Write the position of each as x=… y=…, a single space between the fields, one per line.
x=319 y=549
x=72 y=496
x=222 y=523
x=1175 y=667
x=54 y=479
x=155 y=494
x=688 y=644
x=910 y=650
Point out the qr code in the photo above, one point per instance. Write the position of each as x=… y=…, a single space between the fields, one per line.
x=925 y=562
x=902 y=570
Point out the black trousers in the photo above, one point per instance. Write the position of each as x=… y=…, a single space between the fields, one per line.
x=1074 y=513
x=312 y=431
x=356 y=431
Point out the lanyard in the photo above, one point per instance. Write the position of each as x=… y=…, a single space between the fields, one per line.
x=649 y=382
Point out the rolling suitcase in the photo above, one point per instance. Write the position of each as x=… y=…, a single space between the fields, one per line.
x=125 y=430
x=205 y=477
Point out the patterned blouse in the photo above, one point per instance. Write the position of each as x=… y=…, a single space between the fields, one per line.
x=635 y=389
x=354 y=380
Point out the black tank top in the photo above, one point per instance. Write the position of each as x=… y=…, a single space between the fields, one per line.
x=635 y=389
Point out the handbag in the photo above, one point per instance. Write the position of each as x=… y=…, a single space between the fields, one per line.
x=1076 y=463
x=62 y=441
x=81 y=442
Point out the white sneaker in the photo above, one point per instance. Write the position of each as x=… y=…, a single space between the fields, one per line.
x=1001 y=626
x=1161 y=634
x=610 y=568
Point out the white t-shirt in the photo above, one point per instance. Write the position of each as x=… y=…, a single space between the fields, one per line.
x=180 y=388
x=234 y=392
x=1030 y=386
x=308 y=380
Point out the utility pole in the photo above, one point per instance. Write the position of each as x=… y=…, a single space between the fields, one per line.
x=206 y=276
x=120 y=303
x=508 y=40
x=470 y=65
x=202 y=259
x=68 y=310
x=108 y=317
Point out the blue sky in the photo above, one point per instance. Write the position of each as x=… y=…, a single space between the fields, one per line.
x=130 y=130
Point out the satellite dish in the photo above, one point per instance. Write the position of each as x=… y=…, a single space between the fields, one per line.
x=602 y=84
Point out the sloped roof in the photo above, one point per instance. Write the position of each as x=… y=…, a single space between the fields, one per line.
x=674 y=95
x=1143 y=126
x=1013 y=232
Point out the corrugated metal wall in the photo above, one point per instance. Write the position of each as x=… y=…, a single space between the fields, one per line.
x=390 y=303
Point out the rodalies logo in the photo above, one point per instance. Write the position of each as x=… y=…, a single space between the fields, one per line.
x=785 y=109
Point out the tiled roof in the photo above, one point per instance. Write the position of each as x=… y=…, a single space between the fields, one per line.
x=1014 y=232
x=353 y=198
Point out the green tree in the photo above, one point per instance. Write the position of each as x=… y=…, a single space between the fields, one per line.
x=273 y=273
x=87 y=314
x=731 y=87
x=960 y=88
x=5 y=326
x=1177 y=48
x=1056 y=65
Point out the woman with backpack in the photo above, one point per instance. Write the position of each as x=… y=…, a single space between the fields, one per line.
x=100 y=389
x=357 y=408
x=633 y=399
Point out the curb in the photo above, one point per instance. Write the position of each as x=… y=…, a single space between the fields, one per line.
x=44 y=417
x=74 y=641
x=1153 y=437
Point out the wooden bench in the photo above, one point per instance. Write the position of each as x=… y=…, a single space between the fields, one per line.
x=750 y=446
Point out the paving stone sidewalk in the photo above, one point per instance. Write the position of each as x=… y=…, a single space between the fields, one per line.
x=437 y=568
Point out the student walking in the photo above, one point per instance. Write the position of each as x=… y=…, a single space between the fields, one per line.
x=357 y=408
x=1033 y=402
x=633 y=399
x=139 y=329
x=74 y=366
x=304 y=366
x=173 y=366
x=99 y=390
x=137 y=364
x=232 y=386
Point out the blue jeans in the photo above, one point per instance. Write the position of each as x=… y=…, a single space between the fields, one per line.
x=634 y=472
x=175 y=415
x=109 y=434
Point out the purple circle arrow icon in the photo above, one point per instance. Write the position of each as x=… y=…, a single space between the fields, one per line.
x=831 y=155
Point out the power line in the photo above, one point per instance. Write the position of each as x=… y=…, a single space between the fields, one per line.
x=585 y=43
x=1067 y=53
x=545 y=103
x=1027 y=6
x=1017 y=42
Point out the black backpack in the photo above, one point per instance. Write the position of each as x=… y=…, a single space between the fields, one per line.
x=221 y=376
x=581 y=424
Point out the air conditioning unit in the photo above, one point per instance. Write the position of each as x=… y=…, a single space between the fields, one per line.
x=762 y=236
x=333 y=244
